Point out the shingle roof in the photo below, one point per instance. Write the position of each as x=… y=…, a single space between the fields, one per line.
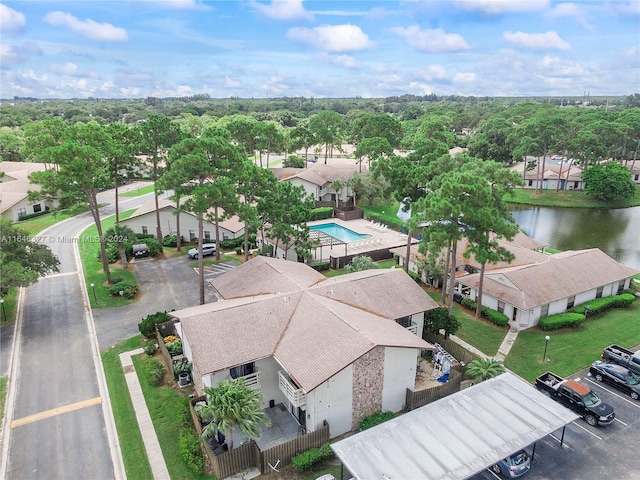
x=565 y=274
x=311 y=333
x=15 y=184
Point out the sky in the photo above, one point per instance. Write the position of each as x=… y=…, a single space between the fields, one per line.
x=291 y=48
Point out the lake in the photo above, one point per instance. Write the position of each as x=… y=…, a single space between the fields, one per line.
x=614 y=231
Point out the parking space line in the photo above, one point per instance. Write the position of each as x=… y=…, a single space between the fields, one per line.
x=614 y=393
x=492 y=473
x=564 y=444
x=588 y=431
x=618 y=420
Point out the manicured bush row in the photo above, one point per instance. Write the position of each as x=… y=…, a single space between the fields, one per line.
x=490 y=314
x=148 y=324
x=33 y=215
x=395 y=224
x=599 y=305
x=321 y=213
x=190 y=450
x=129 y=290
x=561 y=320
x=375 y=419
x=320 y=266
x=171 y=241
x=306 y=460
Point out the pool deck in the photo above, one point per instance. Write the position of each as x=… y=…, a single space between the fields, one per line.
x=381 y=237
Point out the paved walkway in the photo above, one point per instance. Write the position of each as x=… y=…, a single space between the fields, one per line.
x=503 y=350
x=149 y=437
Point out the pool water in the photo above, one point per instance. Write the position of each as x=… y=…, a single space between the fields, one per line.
x=341 y=233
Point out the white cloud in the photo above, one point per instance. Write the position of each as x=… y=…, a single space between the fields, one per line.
x=342 y=60
x=283 y=10
x=464 y=77
x=88 y=28
x=433 y=72
x=331 y=38
x=556 y=67
x=230 y=82
x=70 y=69
x=571 y=10
x=11 y=20
x=537 y=41
x=498 y=7
x=16 y=54
x=629 y=8
x=177 y=4
x=431 y=40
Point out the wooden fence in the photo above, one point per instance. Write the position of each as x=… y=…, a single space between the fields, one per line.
x=458 y=351
x=249 y=454
x=423 y=397
x=163 y=330
x=376 y=255
x=349 y=213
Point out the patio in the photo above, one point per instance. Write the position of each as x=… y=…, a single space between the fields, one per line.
x=282 y=429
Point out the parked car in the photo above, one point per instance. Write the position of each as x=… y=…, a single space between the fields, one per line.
x=207 y=249
x=617 y=376
x=513 y=466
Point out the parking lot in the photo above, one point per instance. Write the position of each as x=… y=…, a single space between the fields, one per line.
x=590 y=452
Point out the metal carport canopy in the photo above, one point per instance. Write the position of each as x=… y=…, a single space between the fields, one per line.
x=457 y=436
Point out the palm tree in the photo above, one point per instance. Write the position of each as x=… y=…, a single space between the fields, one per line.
x=484 y=368
x=232 y=404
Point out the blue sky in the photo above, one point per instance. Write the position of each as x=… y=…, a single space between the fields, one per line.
x=274 y=48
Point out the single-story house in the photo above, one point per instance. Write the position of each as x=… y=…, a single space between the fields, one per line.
x=526 y=292
x=317 y=178
x=14 y=188
x=562 y=175
x=635 y=172
x=143 y=220
x=328 y=349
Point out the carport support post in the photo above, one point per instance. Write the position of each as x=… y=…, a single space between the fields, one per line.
x=533 y=453
x=341 y=471
x=562 y=437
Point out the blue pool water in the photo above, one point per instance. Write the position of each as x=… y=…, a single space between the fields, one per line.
x=339 y=232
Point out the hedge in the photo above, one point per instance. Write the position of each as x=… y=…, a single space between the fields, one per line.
x=148 y=324
x=561 y=320
x=375 y=419
x=33 y=215
x=306 y=460
x=320 y=266
x=490 y=314
x=599 y=305
x=394 y=224
x=321 y=213
x=129 y=290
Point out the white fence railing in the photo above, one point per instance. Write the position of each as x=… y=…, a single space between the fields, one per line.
x=252 y=380
x=296 y=396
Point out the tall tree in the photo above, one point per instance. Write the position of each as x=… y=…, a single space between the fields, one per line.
x=83 y=171
x=156 y=135
x=482 y=369
x=609 y=181
x=22 y=261
x=327 y=126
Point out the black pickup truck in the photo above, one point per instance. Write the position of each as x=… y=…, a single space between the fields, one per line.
x=577 y=397
x=621 y=356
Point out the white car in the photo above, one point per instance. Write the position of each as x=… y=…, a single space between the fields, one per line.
x=207 y=249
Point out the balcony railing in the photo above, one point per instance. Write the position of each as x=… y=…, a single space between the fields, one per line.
x=296 y=395
x=252 y=380
x=413 y=328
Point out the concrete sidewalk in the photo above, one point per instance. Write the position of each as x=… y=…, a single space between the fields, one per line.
x=503 y=350
x=148 y=432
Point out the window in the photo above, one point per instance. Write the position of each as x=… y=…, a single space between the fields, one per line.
x=37 y=208
x=531 y=183
x=571 y=301
x=544 y=311
x=636 y=178
x=22 y=212
x=501 y=307
x=404 y=321
x=207 y=235
x=575 y=185
x=620 y=286
x=599 y=292
x=145 y=230
x=192 y=235
x=242 y=370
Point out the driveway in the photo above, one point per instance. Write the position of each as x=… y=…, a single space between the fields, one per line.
x=165 y=284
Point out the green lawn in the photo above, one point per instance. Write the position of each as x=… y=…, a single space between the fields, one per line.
x=8 y=308
x=3 y=392
x=89 y=248
x=37 y=224
x=571 y=350
x=551 y=198
x=133 y=452
x=136 y=192
x=389 y=263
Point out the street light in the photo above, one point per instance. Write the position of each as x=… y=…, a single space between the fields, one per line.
x=546 y=344
x=93 y=287
x=4 y=313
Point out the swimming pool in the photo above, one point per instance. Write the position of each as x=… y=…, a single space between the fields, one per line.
x=339 y=232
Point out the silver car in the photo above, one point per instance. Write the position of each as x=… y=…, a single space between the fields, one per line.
x=513 y=466
x=207 y=249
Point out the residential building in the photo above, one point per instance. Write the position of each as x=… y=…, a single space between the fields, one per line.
x=14 y=189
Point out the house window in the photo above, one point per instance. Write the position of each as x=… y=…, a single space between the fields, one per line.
x=37 y=208
x=571 y=301
x=404 y=321
x=207 y=235
x=636 y=178
x=620 y=286
x=192 y=235
x=22 y=212
x=225 y=236
x=575 y=185
x=242 y=370
x=145 y=230
x=544 y=311
x=500 y=306
x=531 y=183
x=599 y=292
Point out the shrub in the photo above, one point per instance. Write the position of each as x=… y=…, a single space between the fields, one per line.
x=415 y=276
x=394 y=223
x=561 y=320
x=190 y=450
x=153 y=247
x=500 y=319
x=321 y=213
x=149 y=348
x=181 y=366
x=375 y=419
x=238 y=251
x=307 y=459
x=238 y=242
x=153 y=371
x=320 y=266
x=112 y=253
x=148 y=324
x=599 y=305
x=170 y=241
x=439 y=319
x=293 y=161
x=170 y=338
x=129 y=290
x=33 y=215
x=175 y=347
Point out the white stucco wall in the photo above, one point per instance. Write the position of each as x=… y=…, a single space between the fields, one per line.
x=399 y=374
x=331 y=401
x=169 y=227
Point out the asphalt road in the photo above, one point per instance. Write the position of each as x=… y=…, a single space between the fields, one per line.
x=58 y=422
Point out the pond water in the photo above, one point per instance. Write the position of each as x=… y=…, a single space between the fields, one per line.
x=614 y=231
